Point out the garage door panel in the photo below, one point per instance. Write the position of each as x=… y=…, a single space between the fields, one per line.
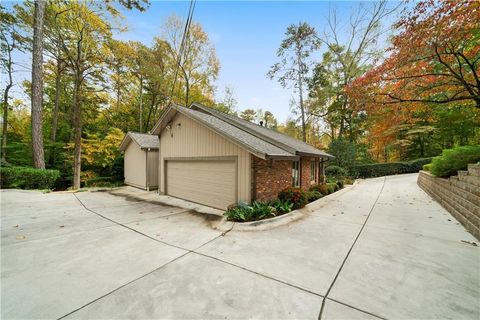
x=212 y=183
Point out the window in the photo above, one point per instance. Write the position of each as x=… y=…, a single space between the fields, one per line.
x=313 y=170
x=296 y=173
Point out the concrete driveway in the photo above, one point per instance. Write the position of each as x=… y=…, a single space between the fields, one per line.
x=382 y=249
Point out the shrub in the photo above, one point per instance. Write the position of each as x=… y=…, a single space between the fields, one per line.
x=384 y=169
x=427 y=167
x=322 y=188
x=453 y=160
x=347 y=181
x=257 y=211
x=336 y=172
x=313 y=195
x=28 y=178
x=282 y=206
x=296 y=196
x=332 y=187
x=340 y=184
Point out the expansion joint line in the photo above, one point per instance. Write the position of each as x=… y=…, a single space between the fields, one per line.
x=348 y=254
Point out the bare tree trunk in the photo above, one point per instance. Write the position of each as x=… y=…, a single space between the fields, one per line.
x=77 y=136
x=37 y=86
x=53 y=135
x=5 y=106
x=300 y=93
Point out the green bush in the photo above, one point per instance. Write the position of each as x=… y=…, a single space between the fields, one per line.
x=257 y=211
x=28 y=178
x=332 y=187
x=313 y=195
x=296 y=196
x=385 y=169
x=453 y=160
x=340 y=184
x=427 y=167
x=322 y=188
x=282 y=206
x=336 y=172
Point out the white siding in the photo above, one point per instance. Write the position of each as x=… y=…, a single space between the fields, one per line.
x=193 y=140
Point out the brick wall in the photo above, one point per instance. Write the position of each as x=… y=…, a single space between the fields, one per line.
x=460 y=195
x=269 y=177
x=305 y=182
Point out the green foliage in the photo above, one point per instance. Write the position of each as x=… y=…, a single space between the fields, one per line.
x=282 y=207
x=385 y=169
x=332 y=187
x=28 y=178
x=322 y=188
x=344 y=152
x=453 y=160
x=427 y=167
x=296 y=196
x=313 y=195
x=340 y=184
x=257 y=211
x=336 y=172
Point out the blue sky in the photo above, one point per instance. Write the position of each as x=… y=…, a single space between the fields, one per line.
x=246 y=36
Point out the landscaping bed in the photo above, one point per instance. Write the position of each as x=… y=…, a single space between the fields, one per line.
x=288 y=199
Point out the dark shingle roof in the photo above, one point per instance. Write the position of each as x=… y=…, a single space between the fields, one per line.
x=273 y=136
x=144 y=141
x=261 y=141
x=255 y=144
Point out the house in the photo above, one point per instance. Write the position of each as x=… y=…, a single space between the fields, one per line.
x=140 y=160
x=217 y=159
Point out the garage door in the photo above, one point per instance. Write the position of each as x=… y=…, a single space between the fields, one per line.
x=212 y=183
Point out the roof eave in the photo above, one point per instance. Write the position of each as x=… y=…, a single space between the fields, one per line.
x=317 y=155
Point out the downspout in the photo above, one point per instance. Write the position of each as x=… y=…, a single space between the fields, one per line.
x=147 y=185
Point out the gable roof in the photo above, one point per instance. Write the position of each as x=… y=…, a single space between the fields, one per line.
x=144 y=141
x=262 y=142
x=282 y=140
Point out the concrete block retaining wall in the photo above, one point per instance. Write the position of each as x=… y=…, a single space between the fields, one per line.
x=460 y=195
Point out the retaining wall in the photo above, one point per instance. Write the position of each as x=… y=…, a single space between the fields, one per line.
x=460 y=195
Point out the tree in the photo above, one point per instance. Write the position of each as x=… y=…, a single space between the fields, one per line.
x=266 y=118
x=229 y=103
x=83 y=35
x=199 y=65
x=346 y=59
x=300 y=41
x=343 y=151
x=248 y=114
x=8 y=44
x=37 y=86
x=443 y=68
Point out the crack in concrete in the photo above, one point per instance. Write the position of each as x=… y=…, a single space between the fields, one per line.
x=348 y=254
x=194 y=251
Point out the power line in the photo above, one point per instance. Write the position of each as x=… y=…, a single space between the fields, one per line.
x=183 y=45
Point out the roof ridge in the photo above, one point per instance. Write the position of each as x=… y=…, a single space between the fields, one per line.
x=225 y=117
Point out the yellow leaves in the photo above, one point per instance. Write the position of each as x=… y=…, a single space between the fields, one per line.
x=102 y=151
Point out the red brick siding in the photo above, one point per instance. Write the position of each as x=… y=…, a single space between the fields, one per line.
x=305 y=181
x=269 y=177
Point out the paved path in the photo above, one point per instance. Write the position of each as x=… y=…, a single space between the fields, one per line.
x=382 y=249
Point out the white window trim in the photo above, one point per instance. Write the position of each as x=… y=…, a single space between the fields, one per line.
x=296 y=173
x=313 y=170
